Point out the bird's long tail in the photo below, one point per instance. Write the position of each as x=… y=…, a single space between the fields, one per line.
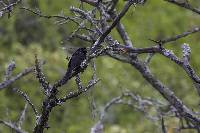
x=64 y=80
x=66 y=77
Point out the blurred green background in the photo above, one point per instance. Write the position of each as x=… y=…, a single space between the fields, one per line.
x=24 y=34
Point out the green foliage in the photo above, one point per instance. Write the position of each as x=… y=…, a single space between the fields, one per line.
x=25 y=34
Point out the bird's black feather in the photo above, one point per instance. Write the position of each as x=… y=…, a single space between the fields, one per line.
x=75 y=61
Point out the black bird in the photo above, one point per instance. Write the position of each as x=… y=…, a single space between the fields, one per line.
x=75 y=61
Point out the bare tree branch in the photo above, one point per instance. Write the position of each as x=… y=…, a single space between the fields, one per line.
x=18 y=76
x=11 y=66
x=184 y=34
x=8 y=8
x=183 y=111
x=12 y=126
x=61 y=17
x=22 y=116
x=115 y=22
x=74 y=94
x=185 y=5
x=25 y=96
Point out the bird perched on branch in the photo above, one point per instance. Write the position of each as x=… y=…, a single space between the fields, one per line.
x=75 y=61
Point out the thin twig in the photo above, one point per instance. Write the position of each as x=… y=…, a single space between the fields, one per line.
x=22 y=116
x=71 y=95
x=185 y=5
x=18 y=76
x=49 y=16
x=184 y=34
x=26 y=97
x=12 y=126
x=115 y=22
